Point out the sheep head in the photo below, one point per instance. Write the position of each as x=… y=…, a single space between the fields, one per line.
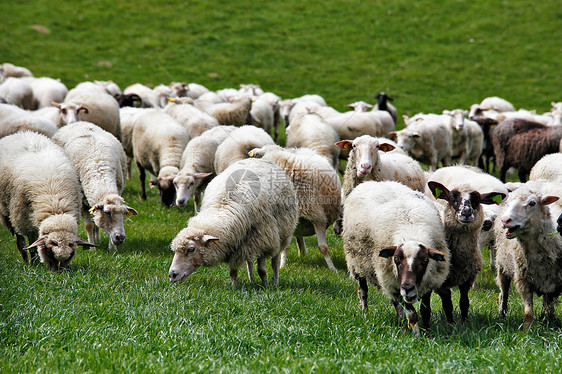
x=109 y=216
x=189 y=252
x=185 y=184
x=366 y=153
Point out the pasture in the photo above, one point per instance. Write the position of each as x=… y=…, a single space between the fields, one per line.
x=117 y=312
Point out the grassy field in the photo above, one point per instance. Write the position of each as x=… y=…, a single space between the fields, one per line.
x=116 y=312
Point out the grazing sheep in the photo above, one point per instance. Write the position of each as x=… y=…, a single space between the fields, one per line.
x=14 y=119
x=238 y=144
x=62 y=113
x=132 y=100
x=393 y=238
x=101 y=165
x=467 y=137
x=197 y=165
x=128 y=118
x=528 y=253
x=426 y=140
x=463 y=218
x=249 y=211
x=46 y=90
x=17 y=92
x=263 y=113
x=10 y=70
x=310 y=131
x=520 y=144
x=158 y=144
x=236 y=113
x=367 y=163
x=318 y=191
x=102 y=109
x=195 y=121
x=40 y=198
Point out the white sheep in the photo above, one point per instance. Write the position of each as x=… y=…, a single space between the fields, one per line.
x=150 y=99
x=11 y=70
x=250 y=211
x=127 y=120
x=238 y=144
x=195 y=90
x=235 y=113
x=110 y=87
x=17 y=92
x=62 y=113
x=492 y=103
x=197 y=165
x=367 y=163
x=40 y=198
x=14 y=119
x=195 y=121
x=528 y=252
x=265 y=113
x=318 y=189
x=158 y=144
x=467 y=137
x=102 y=108
x=463 y=218
x=101 y=165
x=386 y=119
x=286 y=106
x=426 y=140
x=46 y=90
x=352 y=124
x=394 y=239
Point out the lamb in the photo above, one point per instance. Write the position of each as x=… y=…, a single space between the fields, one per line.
x=467 y=137
x=367 y=163
x=101 y=165
x=158 y=144
x=310 y=131
x=426 y=140
x=528 y=253
x=463 y=218
x=14 y=119
x=197 y=165
x=393 y=238
x=238 y=145
x=195 y=121
x=249 y=211
x=17 y=92
x=45 y=91
x=520 y=144
x=40 y=198
x=10 y=70
x=318 y=191
x=236 y=113
x=102 y=109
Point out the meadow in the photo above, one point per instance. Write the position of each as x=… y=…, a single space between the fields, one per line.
x=117 y=312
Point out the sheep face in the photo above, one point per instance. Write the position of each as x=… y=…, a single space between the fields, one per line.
x=523 y=207
x=166 y=189
x=411 y=260
x=185 y=185
x=189 y=252
x=407 y=139
x=464 y=202
x=57 y=248
x=110 y=218
x=366 y=152
x=457 y=116
x=70 y=112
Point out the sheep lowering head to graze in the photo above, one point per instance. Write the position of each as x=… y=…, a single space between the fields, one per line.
x=249 y=211
x=132 y=100
x=394 y=238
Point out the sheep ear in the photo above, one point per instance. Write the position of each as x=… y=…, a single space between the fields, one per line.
x=392 y=134
x=84 y=109
x=438 y=190
x=39 y=242
x=84 y=243
x=547 y=200
x=130 y=211
x=206 y=239
x=448 y=112
x=386 y=147
x=54 y=103
x=345 y=144
x=387 y=252
x=98 y=206
x=512 y=186
x=201 y=175
x=492 y=198
x=436 y=255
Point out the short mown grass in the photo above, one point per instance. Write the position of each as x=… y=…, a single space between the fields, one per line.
x=117 y=312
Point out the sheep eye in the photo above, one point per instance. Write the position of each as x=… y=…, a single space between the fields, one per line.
x=64 y=111
x=55 y=244
x=190 y=249
x=532 y=203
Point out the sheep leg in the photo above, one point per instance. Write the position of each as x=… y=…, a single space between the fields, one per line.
x=196 y=202
x=464 y=301
x=412 y=318
x=503 y=172
x=548 y=305
x=522 y=175
x=20 y=243
x=284 y=257
x=234 y=276
x=142 y=177
x=445 y=295
x=88 y=224
x=527 y=297
x=492 y=257
x=129 y=169
x=33 y=254
x=275 y=268
x=250 y=267
x=505 y=284
x=261 y=271
x=399 y=311
x=425 y=310
x=320 y=229
x=300 y=245
x=362 y=292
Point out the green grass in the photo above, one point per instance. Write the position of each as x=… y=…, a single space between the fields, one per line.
x=116 y=312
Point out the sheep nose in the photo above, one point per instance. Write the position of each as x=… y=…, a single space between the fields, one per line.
x=366 y=166
x=119 y=238
x=506 y=221
x=180 y=202
x=408 y=288
x=173 y=275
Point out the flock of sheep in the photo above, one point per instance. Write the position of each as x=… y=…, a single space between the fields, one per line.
x=66 y=154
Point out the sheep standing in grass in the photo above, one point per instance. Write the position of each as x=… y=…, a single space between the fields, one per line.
x=384 y=105
x=388 y=122
x=249 y=211
x=149 y=98
x=528 y=253
x=467 y=137
x=158 y=144
x=11 y=70
x=101 y=165
x=393 y=238
x=46 y=90
x=17 y=92
x=463 y=218
x=236 y=113
x=318 y=191
x=197 y=165
x=238 y=144
x=40 y=198
x=195 y=121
